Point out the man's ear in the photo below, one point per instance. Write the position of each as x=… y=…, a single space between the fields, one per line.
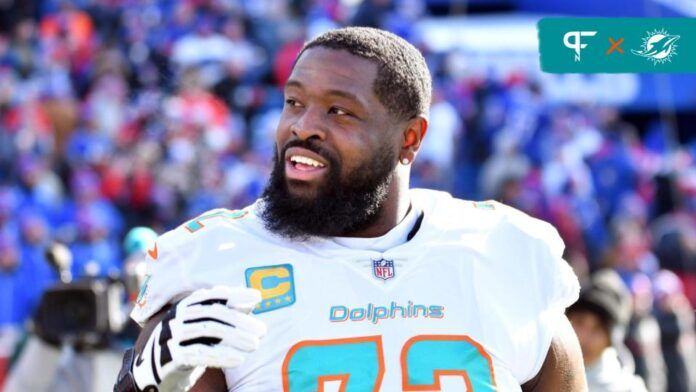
x=415 y=131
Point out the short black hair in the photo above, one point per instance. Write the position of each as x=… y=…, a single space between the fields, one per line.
x=403 y=83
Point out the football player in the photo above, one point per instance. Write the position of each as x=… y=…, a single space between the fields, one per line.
x=341 y=277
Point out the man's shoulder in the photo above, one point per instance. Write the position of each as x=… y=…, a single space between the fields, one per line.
x=219 y=222
x=489 y=218
x=452 y=213
x=218 y=219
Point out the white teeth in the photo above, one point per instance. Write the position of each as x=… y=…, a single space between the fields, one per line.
x=305 y=161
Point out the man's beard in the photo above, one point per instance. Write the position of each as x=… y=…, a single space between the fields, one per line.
x=340 y=205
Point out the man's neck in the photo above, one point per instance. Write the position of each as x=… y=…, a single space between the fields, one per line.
x=393 y=211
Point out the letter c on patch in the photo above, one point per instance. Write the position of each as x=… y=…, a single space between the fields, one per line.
x=272 y=282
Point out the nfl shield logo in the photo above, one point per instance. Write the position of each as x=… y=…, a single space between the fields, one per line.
x=383 y=269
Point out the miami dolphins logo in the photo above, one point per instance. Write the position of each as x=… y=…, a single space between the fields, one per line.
x=659 y=46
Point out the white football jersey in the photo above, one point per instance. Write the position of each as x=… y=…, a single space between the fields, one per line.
x=470 y=302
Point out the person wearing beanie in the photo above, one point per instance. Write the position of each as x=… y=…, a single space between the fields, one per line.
x=135 y=246
x=600 y=318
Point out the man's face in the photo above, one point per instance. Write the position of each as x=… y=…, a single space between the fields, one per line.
x=8 y=259
x=592 y=334
x=337 y=147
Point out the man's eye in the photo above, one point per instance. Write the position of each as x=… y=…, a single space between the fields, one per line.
x=338 y=111
x=291 y=102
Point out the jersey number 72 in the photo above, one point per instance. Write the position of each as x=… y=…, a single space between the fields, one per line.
x=358 y=363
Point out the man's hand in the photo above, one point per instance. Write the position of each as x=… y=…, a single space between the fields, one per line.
x=209 y=328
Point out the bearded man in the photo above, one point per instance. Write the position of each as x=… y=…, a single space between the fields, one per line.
x=341 y=277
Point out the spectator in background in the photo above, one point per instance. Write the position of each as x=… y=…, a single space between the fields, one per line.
x=88 y=145
x=13 y=311
x=41 y=189
x=196 y=116
x=676 y=320
x=284 y=59
x=9 y=202
x=106 y=104
x=445 y=131
x=87 y=198
x=35 y=236
x=674 y=230
x=612 y=166
x=95 y=253
x=644 y=336
x=630 y=255
x=137 y=242
x=503 y=171
x=218 y=54
x=245 y=60
x=600 y=317
x=24 y=48
x=68 y=37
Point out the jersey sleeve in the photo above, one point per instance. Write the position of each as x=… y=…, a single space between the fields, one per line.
x=189 y=258
x=165 y=280
x=558 y=288
x=533 y=286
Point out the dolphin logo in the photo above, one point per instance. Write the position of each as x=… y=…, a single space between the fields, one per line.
x=658 y=46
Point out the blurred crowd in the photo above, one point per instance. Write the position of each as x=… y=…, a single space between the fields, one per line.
x=123 y=113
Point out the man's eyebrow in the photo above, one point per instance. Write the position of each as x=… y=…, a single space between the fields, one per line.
x=344 y=94
x=293 y=83
x=337 y=93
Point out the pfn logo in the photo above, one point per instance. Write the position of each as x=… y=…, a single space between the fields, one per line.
x=576 y=43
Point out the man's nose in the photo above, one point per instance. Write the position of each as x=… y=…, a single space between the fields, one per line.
x=309 y=125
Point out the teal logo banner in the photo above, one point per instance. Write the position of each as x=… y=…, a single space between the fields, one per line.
x=617 y=45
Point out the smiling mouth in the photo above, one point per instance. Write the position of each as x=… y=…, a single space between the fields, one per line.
x=304 y=165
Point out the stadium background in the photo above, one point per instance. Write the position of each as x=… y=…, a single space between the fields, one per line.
x=123 y=113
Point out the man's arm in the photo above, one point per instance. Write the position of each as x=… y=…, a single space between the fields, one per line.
x=209 y=328
x=213 y=380
x=563 y=369
x=149 y=326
